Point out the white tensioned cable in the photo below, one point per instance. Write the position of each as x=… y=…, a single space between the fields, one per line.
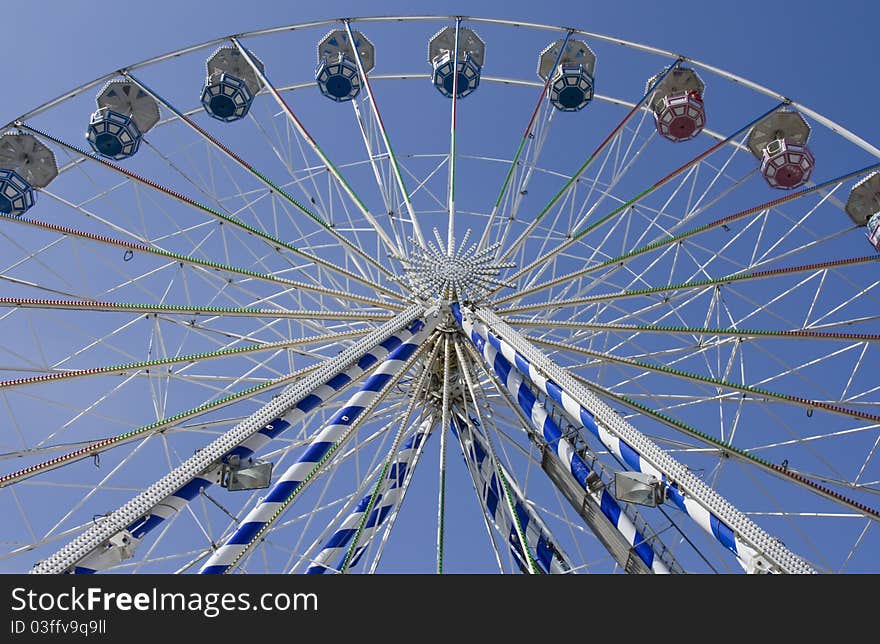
x=561 y=447
x=539 y=540
x=65 y=558
x=321 y=449
x=388 y=498
x=103 y=558
x=755 y=548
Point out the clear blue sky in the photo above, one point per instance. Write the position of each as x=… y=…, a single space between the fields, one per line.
x=820 y=53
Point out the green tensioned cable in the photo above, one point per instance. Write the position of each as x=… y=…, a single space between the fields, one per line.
x=736 y=386
x=575 y=177
x=530 y=560
x=349 y=554
x=146 y=430
x=270 y=239
x=741 y=277
x=727 y=448
x=192 y=357
x=266 y=277
x=183 y=309
x=592 y=157
x=741 y=333
x=576 y=236
x=387 y=140
x=718 y=223
x=508 y=496
x=392 y=455
x=444 y=422
x=744 y=213
x=262 y=177
x=531 y=123
x=314 y=145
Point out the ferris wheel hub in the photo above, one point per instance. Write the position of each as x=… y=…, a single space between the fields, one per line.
x=470 y=274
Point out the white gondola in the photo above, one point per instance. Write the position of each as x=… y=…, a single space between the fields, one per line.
x=677 y=104
x=125 y=113
x=25 y=164
x=470 y=57
x=337 y=72
x=571 y=66
x=231 y=84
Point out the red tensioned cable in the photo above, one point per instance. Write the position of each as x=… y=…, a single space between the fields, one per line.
x=191 y=309
x=200 y=262
x=718 y=223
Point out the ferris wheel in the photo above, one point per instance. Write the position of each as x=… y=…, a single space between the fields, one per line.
x=433 y=294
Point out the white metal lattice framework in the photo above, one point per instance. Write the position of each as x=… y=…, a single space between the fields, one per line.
x=325 y=289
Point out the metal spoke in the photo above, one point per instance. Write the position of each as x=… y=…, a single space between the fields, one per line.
x=395 y=251
x=297 y=478
x=201 y=263
x=673 y=239
x=586 y=164
x=271 y=241
x=274 y=187
x=395 y=165
x=577 y=234
x=653 y=353
x=700 y=284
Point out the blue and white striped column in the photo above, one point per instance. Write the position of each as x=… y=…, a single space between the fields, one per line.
x=583 y=417
x=539 y=540
x=552 y=435
x=320 y=449
x=389 y=496
x=101 y=559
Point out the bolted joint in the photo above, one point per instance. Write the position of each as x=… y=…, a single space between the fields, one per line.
x=759 y=566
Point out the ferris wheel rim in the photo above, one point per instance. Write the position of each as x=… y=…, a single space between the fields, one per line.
x=723 y=73
x=494 y=79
